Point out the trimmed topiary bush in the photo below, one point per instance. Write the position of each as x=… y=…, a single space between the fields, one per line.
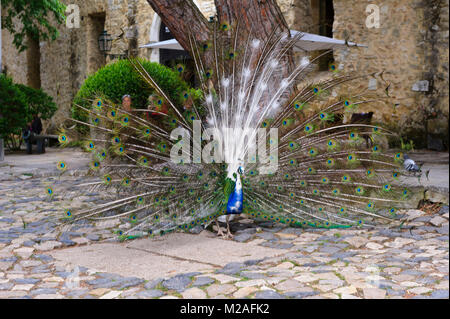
x=120 y=78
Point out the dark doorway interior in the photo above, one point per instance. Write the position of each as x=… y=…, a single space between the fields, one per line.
x=33 y=63
x=323 y=14
x=171 y=58
x=95 y=26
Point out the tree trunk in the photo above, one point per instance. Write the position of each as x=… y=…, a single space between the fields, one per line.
x=261 y=17
x=258 y=17
x=182 y=16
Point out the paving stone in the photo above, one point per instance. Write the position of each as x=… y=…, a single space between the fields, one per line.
x=25 y=281
x=419 y=290
x=7 y=220
x=374 y=246
x=152 y=284
x=306 y=278
x=99 y=292
x=242 y=237
x=81 y=241
x=30 y=263
x=202 y=281
x=409 y=284
x=45 y=258
x=23 y=287
x=67 y=242
x=48 y=245
x=252 y=275
x=93 y=237
x=77 y=293
x=329 y=250
x=193 y=293
x=6 y=286
x=440 y=294
x=374 y=293
x=43 y=291
x=178 y=283
x=111 y=295
x=129 y=282
x=443 y=229
x=114 y=281
x=49 y=296
x=303 y=293
x=40 y=269
x=266 y=235
x=223 y=289
x=223 y=279
x=438 y=221
x=268 y=294
x=244 y=292
x=153 y=293
x=250 y=283
x=356 y=241
x=24 y=252
x=289 y=285
x=231 y=268
x=252 y=262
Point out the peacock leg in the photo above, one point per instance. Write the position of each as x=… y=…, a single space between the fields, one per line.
x=219 y=231
x=229 y=234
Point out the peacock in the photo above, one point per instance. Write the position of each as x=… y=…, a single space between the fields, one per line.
x=270 y=144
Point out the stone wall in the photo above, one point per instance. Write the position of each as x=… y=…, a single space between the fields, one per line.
x=410 y=46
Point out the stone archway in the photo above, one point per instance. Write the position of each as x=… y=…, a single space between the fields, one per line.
x=154 y=37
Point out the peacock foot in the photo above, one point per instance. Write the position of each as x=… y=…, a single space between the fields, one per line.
x=220 y=233
x=229 y=235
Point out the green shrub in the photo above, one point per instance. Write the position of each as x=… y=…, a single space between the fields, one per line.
x=120 y=78
x=14 y=113
x=18 y=103
x=38 y=102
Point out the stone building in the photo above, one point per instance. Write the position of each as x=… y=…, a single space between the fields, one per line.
x=410 y=44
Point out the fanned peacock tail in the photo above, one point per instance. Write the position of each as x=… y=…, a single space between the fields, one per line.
x=324 y=173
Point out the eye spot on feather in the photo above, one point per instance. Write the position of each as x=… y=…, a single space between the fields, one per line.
x=225 y=26
x=61 y=166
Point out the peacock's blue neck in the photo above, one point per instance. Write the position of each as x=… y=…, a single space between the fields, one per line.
x=235 y=200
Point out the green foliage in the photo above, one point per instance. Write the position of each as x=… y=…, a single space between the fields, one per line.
x=119 y=78
x=34 y=17
x=408 y=146
x=18 y=103
x=13 y=111
x=38 y=102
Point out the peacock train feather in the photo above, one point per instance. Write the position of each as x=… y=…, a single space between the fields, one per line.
x=320 y=171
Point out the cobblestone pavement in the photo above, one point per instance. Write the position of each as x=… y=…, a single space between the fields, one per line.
x=312 y=263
